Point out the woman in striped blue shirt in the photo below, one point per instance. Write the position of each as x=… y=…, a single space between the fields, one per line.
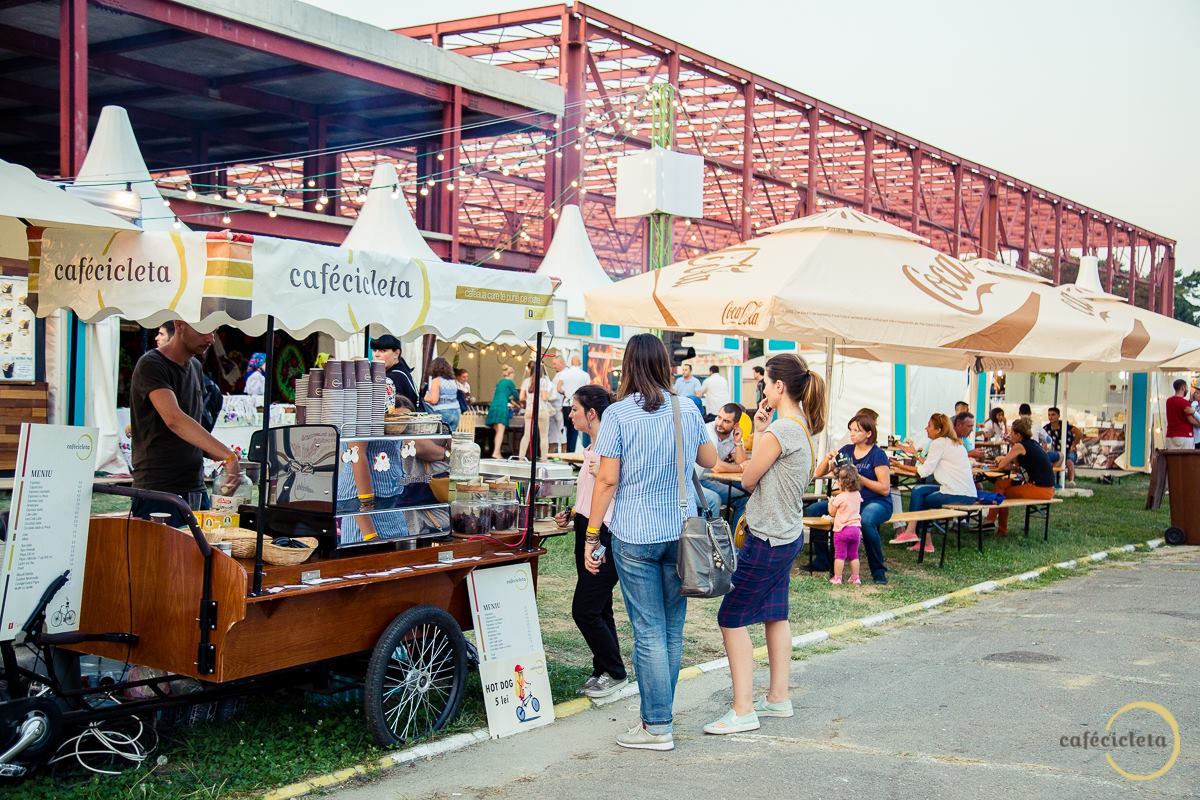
x=638 y=468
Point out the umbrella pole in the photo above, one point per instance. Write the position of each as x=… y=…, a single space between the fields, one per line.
x=261 y=517
x=825 y=435
x=535 y=443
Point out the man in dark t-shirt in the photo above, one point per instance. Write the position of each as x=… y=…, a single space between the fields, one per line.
x=166 y=404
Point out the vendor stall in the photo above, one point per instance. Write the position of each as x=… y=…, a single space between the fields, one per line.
x=348 y=548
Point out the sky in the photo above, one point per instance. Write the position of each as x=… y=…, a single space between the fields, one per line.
x=1097 y=102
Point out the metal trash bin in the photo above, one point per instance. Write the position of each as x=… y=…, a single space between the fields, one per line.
x=1183 y=480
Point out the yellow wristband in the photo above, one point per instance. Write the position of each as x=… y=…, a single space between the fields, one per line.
x=593 y=530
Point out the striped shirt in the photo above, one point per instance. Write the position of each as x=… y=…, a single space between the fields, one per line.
x=646 y=507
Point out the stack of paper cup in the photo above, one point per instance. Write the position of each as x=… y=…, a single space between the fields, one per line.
x=378 y=396
x=363 y=389
x=334 y=400
x=301 y=395
x=315 y=406
x=350 y=399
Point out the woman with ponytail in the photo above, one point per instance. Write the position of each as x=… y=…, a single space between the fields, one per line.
x=777 y=475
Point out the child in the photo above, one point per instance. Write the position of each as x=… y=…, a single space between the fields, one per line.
x=847 y=532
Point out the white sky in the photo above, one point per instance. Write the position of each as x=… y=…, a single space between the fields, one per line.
x=1098 y=101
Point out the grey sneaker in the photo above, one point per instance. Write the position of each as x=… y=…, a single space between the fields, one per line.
x=588 y=684
x=638 y=738
x=765 y=709
x=604 y=686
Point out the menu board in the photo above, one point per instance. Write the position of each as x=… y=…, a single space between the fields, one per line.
x=17 y=352
x=47 y=526
x=512 y=660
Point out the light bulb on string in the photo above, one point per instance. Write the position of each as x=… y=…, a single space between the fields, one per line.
x=495 y=255
x=395 y=191
x=225 y=220
x=272 y=213
x=441 y=157
x=449 y=187
x=177 y=224
x=166 y=202
x=191 y=193
x=424 y=191
x=241 y=197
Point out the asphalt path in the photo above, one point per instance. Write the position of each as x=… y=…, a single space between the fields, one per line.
x=995 y=700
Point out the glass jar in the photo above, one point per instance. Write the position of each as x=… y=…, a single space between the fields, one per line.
x=471 y=511
x=464 y=457
x=503 y=498
x=231 y=491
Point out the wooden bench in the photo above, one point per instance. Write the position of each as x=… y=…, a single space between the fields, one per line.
x=1033 y=508
x=937 y=518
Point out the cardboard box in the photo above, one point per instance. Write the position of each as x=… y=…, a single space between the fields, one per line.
x=211 y=520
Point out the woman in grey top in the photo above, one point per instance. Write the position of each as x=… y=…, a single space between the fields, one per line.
x=777 y=475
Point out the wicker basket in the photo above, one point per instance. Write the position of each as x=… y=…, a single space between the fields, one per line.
x=242 y=542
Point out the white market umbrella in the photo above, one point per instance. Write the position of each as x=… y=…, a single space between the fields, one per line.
x=873 y=289
x=993 y=267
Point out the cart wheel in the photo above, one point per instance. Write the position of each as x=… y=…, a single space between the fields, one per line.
x=520 y=713
x=537 y=705
x=15 y=713
x=1174 y=536
x=416 y=676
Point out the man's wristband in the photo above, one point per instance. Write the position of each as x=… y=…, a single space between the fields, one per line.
x=593 y=531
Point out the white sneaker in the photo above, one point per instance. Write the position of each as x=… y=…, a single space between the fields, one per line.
x=638 y=738
x=766 y=709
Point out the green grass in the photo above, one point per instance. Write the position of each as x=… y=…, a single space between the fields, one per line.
x=281 y=739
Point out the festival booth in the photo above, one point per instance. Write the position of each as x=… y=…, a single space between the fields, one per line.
x=353 y=544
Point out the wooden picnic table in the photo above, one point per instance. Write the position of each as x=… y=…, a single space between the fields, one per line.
x=567 y=458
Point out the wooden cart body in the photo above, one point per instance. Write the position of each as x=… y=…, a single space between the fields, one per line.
x=147 y=579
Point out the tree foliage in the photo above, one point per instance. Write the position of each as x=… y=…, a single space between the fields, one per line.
x=1187 y=297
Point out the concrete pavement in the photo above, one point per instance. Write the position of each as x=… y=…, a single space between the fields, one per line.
x=976 y=702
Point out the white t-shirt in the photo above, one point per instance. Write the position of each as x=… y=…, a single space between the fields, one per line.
x=545 y=407
x=947 y=462
x=716 y=393
x=573 y=378
x=725 y=447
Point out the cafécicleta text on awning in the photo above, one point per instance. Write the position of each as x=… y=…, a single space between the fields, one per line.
x=89 y=269
x=330 y=278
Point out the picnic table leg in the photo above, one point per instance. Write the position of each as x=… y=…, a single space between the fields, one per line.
x=922 y=527
x=729 y=503
x=1028 y=511
x=979 y=531
x=829 y=533
x=1046 y=528
x=944 y=527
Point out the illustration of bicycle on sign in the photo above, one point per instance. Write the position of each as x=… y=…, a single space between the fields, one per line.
x=524 y=695
x=64 y=615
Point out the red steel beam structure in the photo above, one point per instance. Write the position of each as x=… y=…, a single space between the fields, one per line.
x=772 y=153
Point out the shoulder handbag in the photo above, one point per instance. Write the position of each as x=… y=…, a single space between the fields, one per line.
x=707 y=559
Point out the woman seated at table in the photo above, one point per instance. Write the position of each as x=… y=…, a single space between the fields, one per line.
x=1033 y=461
x=872 y=465
x=950 y=467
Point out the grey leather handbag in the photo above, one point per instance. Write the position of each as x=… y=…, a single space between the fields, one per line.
x=707 y=558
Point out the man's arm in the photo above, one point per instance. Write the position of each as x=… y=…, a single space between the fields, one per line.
x=186 y=428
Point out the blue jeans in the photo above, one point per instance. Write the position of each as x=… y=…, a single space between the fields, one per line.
x=923 y=497
x=874 y=513
x=656 y=611
x=737 y=498
x=1054 y=455
x=713 y=501
x=450 y=416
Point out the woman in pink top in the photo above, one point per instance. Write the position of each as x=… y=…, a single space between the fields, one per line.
x=847 y=524
x=592 y=605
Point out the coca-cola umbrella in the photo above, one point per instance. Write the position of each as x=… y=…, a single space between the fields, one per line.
x=844 y=277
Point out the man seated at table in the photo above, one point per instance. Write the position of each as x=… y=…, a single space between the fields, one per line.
x=726 y=436
x=964 y=429
x=1053 y=429
x=1039 y=434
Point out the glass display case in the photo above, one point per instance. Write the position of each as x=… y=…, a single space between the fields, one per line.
x=356 y=490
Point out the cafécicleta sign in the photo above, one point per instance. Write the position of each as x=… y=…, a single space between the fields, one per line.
x=223 y=277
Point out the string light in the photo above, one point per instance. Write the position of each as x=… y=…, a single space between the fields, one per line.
x=241 y=197
x=272 y=213
x=449 y=187
x=395 y=191
x=177 y=224
x=225 y=220
x=191 y=193
x=166 y=202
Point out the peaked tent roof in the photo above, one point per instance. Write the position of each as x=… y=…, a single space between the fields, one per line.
x=384 y=224
x=114 y=157
x=571 y=259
